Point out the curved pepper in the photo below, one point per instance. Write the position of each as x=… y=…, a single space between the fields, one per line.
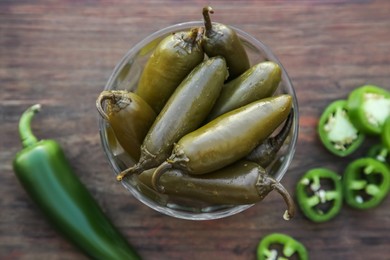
x=44 y=172
x=336 y=131
x=290 y=247
x=319 y=194
x=241 y=183
x=366 y=182
x=368 y=108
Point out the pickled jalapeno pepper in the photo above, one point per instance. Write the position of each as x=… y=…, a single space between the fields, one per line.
x=259 y=81
x=243 y=182
x=129 y=116
x=221 y=40
x=174 y=57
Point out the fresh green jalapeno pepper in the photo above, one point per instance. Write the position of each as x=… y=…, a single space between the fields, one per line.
x=44 y=171
x=385 y=135
x=227 y=138
x=368 y=108
x=259 y=81
x=320 y=194
x=366 y=182
x=243 y=182
x=291 y=248
x=266 y=152
x=337 y=132
x=184 y=112
x=379 y=152
x=221 y=40
x=174 y=57
x=129 y=116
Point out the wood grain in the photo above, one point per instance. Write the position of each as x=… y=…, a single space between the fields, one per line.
x=61 y=53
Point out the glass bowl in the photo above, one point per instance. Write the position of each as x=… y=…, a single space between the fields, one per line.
x=126 y=75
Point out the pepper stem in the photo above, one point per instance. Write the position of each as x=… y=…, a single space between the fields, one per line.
x=26 y=135
x=160 y=170
x=105 y=95
x=290 y=212
x=136 y=169
x=207 y=10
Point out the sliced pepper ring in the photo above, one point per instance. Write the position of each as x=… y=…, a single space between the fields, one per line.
x=336 y=131
x=290 y=246
x=368 y=108
x=319 y=194
x=366 y=183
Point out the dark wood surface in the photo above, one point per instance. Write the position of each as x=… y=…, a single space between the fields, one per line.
x=61 y=53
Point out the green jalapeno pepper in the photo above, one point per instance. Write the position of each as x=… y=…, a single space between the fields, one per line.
x=336 y=130
x=174 y=57
x=259 y=81
x=291 y=248
x=184 y=112
x=319 y=194
x=366 y=182
x=129 y=116
x=385 y=135
x=379 y=152
x=266 y=152
x=243 y=182
x=221 y=40
x=43 y=170
x=368 y=108
x=227 y=138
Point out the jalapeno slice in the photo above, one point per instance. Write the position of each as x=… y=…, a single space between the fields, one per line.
x=379 y=152
x=267 y=248
x=366 y=183
x=385 y=136
x=337 y=132
x=368 y=108
x=319 y=194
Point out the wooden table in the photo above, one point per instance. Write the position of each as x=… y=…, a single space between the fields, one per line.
x=61 y=53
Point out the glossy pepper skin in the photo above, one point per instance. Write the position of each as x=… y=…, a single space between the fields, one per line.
x=320 y=194
x=366 y=182
x=265 y=153
x=336 y=130
x=290 y=247
x=221 y=40
x=129 y=116
x=44 y=171
x=227 y=138
x=172 y=60
x=184 y=112
x=368 y=108
x=259 y=81
x=243 y=182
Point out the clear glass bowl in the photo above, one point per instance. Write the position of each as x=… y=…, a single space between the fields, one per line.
x=126 y=75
